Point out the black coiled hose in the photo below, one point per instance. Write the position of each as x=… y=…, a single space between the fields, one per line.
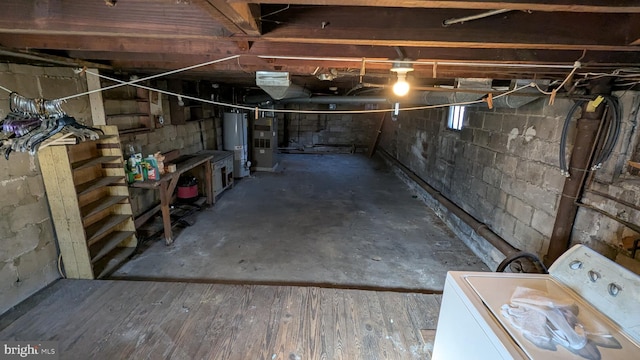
x=519 y=255
x=612 y=131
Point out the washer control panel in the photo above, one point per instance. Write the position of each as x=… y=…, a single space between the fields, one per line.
x=607 y=286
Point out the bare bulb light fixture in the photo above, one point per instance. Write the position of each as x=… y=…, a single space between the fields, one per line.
x=401 y=87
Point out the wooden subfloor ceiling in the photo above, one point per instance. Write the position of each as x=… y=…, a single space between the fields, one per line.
x=161 y=320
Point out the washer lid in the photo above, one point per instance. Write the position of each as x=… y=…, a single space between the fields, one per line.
x=603 y=337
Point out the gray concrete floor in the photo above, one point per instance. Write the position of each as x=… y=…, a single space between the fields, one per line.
x=319 y=219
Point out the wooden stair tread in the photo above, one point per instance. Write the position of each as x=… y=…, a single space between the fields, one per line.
x=135 y=130
x=127 y=115
x=101 y=204
x=98 y=230
x=109 y=243
x=108 y=265
x=91 y=162
x=97 y=183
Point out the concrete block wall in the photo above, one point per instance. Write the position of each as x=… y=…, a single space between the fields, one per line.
x=28 y=253
x=502 y=168
x=616 y=190
x=306 y=130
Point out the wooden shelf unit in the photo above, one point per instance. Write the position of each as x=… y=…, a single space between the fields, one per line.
x=89 y=201
x=130 y=112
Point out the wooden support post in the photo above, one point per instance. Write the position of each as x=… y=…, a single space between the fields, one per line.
x=372 y=150
x=208 y=175
x=165 y=199
x=95 y=100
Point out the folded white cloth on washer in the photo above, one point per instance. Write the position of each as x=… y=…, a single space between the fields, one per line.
x=546 y=322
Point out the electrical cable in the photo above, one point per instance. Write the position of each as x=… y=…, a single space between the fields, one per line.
x=479 y=101
x=564 y=169
x=146 y=78
x=418 y=62
x=612 y=133
x=134 y=83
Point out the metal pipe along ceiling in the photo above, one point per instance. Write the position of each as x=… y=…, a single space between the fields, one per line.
x=417 y=98
x=474 y=17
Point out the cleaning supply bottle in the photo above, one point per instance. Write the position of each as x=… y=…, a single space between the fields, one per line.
x=136 y=168
x=153 y=171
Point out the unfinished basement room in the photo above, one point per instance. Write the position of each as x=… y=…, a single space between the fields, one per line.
x=320 y=179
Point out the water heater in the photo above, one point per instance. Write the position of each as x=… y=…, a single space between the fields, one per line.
x=235 y=128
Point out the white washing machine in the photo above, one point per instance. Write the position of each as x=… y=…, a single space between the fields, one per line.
x=476 y=319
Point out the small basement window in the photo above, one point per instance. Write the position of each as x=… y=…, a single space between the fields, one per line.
x=456 y=116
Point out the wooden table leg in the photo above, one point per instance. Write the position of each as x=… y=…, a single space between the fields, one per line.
x=208 y=179
x=165 y=200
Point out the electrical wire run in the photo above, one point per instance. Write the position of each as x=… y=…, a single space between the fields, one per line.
x=5 y=89
x=250 y=108
x=132 y=82
x=135 y=82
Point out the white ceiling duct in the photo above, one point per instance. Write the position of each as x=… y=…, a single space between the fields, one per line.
x=278 y=85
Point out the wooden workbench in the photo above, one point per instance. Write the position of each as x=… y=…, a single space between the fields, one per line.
x=167 y=184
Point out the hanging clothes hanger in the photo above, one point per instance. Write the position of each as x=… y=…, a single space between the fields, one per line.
x=33 y=121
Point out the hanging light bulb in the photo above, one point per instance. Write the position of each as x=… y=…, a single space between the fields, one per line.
x=401 y=87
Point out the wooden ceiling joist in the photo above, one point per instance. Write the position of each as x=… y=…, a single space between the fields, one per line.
x=49 y=59
x=155 y=35
x=594 y=6
x=423 y=28
x=237 y=18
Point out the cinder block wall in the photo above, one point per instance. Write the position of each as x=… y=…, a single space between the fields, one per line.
x=306 y=130
x=28 y=255
x=620 y=182
x=502 y=168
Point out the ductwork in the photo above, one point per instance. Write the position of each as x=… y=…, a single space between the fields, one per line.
x=418 y=98
x=355 y=100
x=442 y=97
x=280 y=88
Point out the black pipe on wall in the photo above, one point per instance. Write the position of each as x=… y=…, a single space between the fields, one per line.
x=579 y=164
x=480 y=228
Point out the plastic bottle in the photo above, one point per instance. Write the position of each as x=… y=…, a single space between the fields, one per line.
x=152 y=170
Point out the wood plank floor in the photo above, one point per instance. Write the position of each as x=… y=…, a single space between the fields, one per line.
x=169 y=320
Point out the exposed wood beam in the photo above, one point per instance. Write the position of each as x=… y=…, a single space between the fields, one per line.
x=124 y=44
x=265 y=64
x=348 y=26
x=239 y=18
x=134 y=17
x=114 y=34
x=248 y=14
x=129 y=48
x=245 y=74
x=450 y=44
x=594 y=6
x=299 y=38
x=50 y=59
x=423 y=28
